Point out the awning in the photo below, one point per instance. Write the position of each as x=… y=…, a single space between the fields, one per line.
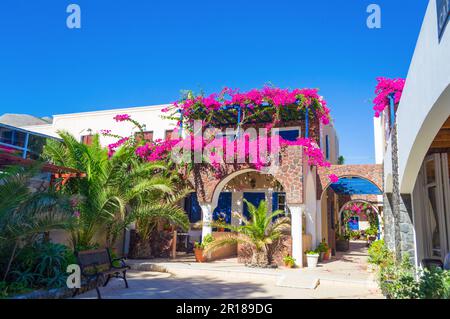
x=355 y=186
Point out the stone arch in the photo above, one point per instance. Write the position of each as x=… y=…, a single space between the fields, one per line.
x=289 y=174
x=377 y=211
x=371 y=173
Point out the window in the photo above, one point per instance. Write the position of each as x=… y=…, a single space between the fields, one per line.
x=87 y=139
x=148 y=136
x=281 y=201
x=353 y=223
x=168 y=135
x=289 y=135
x=12 y=137
x=327 y=147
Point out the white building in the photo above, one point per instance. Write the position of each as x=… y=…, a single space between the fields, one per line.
x=415 y=151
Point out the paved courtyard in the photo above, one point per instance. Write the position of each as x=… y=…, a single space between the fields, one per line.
x=345 y=276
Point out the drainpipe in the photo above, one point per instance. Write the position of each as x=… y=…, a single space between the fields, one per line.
x=391 y=97
x=306 y=122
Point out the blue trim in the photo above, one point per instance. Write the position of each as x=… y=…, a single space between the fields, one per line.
x=355 y=186
x=192 y=208
x=224 y=207
x=307 y=122
x=27 y=138
x=392 y=108
x=289 y=135
x=253 y=198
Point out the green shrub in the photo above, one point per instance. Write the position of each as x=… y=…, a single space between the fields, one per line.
x=42 y=265
x=379 y=254
x=401 y=281
x=205 y=242
x=435 y=284
x=323 y=247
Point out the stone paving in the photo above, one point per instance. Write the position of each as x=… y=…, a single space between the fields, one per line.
x=344 y=277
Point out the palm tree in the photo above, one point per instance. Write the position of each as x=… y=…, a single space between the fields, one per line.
x=261 y=232
x=24 y=213
x=116 y=190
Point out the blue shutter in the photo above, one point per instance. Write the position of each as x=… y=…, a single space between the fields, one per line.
x=223 y=206
x=274 y=202
x=253 y=198
x=192 y=208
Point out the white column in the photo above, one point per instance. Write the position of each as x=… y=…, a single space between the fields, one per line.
x=319 y=221
x=207 y=216
x=296 y=232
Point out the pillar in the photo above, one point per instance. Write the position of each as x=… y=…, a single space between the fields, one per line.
x=207 y=217
x=319 y=222
x=296 y=232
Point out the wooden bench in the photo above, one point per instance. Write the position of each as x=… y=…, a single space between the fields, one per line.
x=97 y=267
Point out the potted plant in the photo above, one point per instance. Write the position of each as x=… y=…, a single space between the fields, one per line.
x=289 y=261
x=343 y=242
x=371 y=235
x=221 y=220
x=325 y=251
x=200 y=247
x=312 y=258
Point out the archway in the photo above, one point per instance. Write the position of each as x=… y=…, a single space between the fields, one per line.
x=347 y=207
x=251 y=185
x=418 y=130
x=351 y=187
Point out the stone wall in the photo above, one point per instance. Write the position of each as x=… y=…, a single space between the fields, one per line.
x=371 y=172
x=399 y=228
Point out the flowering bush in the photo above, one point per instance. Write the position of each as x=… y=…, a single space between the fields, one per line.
x=269 y=103
x=384 y=88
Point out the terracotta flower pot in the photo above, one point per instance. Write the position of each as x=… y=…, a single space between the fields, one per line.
x=199 y=257
x=327 y=255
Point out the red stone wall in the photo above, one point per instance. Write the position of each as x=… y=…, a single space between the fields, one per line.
x=289 y=174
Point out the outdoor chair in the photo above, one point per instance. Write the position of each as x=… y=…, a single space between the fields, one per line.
x=97 y=267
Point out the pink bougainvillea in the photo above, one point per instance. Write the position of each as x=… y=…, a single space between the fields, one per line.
x=112 y=147
x=248 y=106
x=384 y=88
x=333 y=178
x=204 y=107
x=122 y=117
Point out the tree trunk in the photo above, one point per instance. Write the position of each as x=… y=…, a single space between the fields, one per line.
x=8 y=268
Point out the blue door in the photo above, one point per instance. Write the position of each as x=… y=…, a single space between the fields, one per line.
x=223 y=208
x=192 y=208
x=353 y=223
x=253 y=198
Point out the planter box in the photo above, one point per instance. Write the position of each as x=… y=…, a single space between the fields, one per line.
x=312 y=260
x=342 y=245
x=199 y=257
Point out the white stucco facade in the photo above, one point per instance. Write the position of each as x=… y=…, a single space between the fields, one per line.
x=425 y=103
x=86 y=123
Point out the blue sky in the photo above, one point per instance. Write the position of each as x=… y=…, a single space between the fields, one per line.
x=143 y=52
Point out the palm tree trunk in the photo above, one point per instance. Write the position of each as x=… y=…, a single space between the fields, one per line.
x=8 y=268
